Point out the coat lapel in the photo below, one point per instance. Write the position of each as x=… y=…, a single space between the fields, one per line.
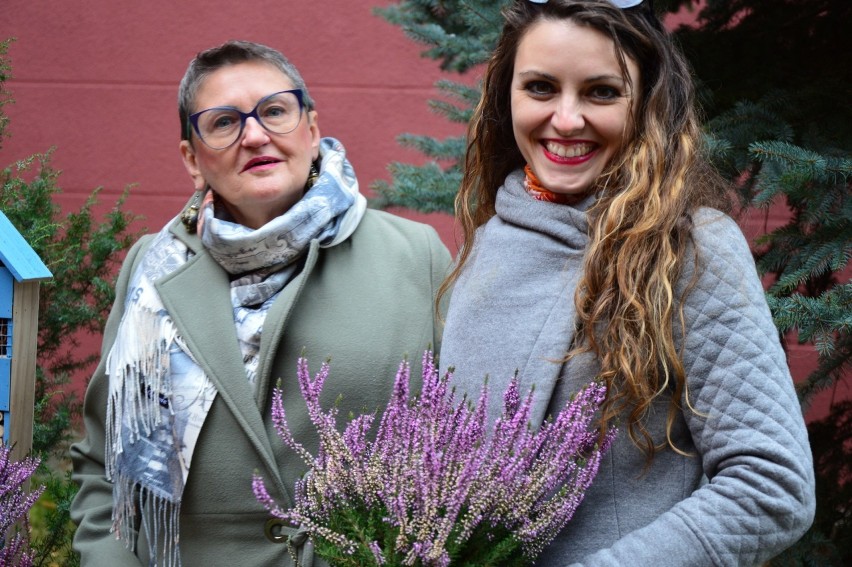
x=276 y=322
x=197 y=296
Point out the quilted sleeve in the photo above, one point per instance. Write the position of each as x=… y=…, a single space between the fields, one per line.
x=745 y=420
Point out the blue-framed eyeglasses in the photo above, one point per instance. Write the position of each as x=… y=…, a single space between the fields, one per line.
x=221 y=126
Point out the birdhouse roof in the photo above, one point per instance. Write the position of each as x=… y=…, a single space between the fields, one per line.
x=18 y=257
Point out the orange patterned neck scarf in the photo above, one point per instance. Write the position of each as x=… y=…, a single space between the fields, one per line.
x=540 y=193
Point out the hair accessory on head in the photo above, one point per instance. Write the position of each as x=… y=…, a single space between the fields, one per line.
x=626 y=3
x=619 y=3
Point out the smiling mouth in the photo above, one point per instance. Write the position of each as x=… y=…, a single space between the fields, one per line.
x=259 y=161
x=569 y=151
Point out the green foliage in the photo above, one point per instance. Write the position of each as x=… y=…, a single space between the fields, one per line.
x=5 y=73
x=488 y=545
x=423 y=188
x=824 y=321
x=490 y=548
x=53 y=529
x=351 y=521
x=54 y=414
x=82 y=252
x=730 y=135
x=460 y=34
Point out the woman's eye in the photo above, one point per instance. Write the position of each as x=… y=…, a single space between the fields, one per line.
x=604 y=92
x=539 y=88
x=223 y=122
x=274 y=111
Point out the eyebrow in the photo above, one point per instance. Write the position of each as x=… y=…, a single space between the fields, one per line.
x=617 y=78
x=538 y=74
x=549 y=77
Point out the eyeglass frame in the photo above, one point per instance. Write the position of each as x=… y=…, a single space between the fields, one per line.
x=193 y=118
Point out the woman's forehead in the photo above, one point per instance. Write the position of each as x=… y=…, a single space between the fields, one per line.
x=563 y=45
x=237 y=83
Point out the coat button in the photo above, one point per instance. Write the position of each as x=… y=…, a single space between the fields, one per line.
x=274 y=530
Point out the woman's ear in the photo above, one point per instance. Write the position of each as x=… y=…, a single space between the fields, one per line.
x=190 y=162
x=315 y=133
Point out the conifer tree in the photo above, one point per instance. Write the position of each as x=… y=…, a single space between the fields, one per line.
x=460 y=34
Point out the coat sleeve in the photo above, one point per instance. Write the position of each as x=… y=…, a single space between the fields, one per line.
x=745 y=420
x=91 y=509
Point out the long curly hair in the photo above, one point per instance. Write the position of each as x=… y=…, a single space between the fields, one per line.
x=640 y=225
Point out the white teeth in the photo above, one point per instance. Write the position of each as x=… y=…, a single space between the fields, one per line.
x=574 y=150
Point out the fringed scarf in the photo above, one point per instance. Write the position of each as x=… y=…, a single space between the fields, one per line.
x=159 y=395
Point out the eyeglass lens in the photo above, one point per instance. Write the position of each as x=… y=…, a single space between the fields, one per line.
x=278 y=113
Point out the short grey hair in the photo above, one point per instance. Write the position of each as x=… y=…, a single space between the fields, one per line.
x=231 y=53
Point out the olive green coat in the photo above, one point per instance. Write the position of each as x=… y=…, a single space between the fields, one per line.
x=365 y=303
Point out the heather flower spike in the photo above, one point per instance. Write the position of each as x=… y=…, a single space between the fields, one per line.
x=436 y=485
x=15 y=504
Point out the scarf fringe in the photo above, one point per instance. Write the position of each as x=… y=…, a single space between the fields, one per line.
x=160 y=520
x=138 y=366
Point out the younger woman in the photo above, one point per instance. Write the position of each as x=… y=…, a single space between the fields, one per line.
x=594 y=248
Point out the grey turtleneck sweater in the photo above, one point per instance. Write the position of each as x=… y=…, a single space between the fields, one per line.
x=747 y=490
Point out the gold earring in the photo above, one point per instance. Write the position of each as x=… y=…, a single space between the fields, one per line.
x=313 y=175
x=189 y=216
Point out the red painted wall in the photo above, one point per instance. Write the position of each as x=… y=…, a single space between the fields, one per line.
x=98 y=80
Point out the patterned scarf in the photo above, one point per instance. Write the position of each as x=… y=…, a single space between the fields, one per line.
x=159 y=395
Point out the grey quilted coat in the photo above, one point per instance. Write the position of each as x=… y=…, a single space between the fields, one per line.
x=744 y=492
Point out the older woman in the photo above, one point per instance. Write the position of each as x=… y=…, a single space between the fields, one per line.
x=595 y=249
x=274 y=257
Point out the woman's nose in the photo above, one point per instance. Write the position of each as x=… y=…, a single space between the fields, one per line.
x=568 y=116
x=253 y=133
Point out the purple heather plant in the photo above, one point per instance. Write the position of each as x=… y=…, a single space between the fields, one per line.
x=437 y=485
x=15 y=504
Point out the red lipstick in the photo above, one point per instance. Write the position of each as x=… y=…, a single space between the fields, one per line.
x=260 y=162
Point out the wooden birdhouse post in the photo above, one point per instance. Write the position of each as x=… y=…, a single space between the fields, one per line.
x=21 y=271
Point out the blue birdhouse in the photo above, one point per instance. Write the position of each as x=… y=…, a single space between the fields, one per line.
x=21 y=271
